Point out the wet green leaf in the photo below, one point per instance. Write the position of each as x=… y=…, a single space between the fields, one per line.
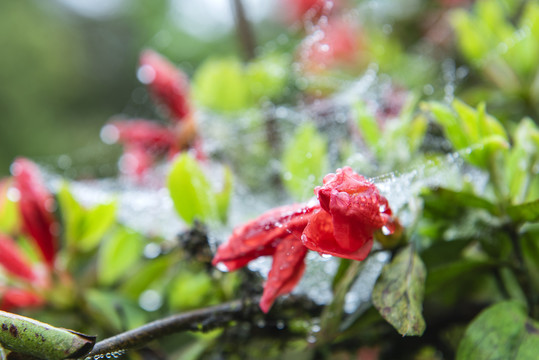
x=496 y=333
x=398 y=293
x=85 y=227
x=524 y=212
x=190 y=190
x=463 y=199
x=221 y=85
x=118 y=254
x=222 y=198
x=190 y=290
x=115 y=311
x=267 y=76
x=145 y=276
x=368 y=126
x=472 y=131
x=304 y=161
x=31 y=337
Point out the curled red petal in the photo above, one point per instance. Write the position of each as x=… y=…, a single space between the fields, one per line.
x=319 y=236
x=35 y=205
x=286 y=270
x=12 y=298
x=135 y=161
x=166 y=83
x=149 y=135
x=262 y=235
x=12 y=259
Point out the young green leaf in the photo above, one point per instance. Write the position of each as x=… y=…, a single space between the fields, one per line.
x=368 y=126
x=222 y=198
x=496 y=333
x=190 y=290
x=221 y=85
x=398 y=293
x=304 y=161
x=43 y=341
x=85 y=227
x=191 y=191
x=267 y=76
x=117 y=254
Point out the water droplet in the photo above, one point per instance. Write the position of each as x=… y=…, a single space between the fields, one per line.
x=13 y=194
x=280 y=325
x=385 y=230
x=152 y=250
x=109 y=134
x=146 y=74
x=326 y=256
x=64 y=161
x=311 y=339
x=315 y=328
x=150 y=300
x=222 y=267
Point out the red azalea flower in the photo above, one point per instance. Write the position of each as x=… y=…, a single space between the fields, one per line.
x=35 y=204
x=167 y=84
x=299 y=10
x=353 y=210
x=337 y=43
x=14 y=261
x=342 y=224
x=11 y=298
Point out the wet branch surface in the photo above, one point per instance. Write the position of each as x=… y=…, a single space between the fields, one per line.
x=197 y=320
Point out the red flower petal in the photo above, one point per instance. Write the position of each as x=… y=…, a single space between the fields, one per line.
x=151 y=136
x=286 y=270
x=14 y=261
x=261 y=236
x=319 y=236
x=167 y=84
x=34 y=205
x=12 y=298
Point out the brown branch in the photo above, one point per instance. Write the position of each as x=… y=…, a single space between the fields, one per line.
x=245 y=32
x=197 y=320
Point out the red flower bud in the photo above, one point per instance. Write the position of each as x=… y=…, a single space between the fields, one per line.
x=35 y=206
x=167 y=84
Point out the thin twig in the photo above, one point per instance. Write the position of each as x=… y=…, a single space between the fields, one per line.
x=197 y=320
x=245 y=32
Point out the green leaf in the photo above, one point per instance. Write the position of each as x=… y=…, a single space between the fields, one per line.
x=85 y=227
x=145 y=276
x=524 y=212
x=221 y=85
x=190 y=290
x=443 y=275
x=267 y=76
x=190 y=191
x=112 y=310
x=31 y=337
x=398 y=293
x=472 y=131
x=463 y=199
x=117 y=254
x=368 y=126
x=529 y=344
x=304 y=161
x=222 y=198
x=496 y=333
x=9 y=215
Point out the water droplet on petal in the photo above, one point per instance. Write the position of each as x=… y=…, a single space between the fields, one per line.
x=146 y=74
